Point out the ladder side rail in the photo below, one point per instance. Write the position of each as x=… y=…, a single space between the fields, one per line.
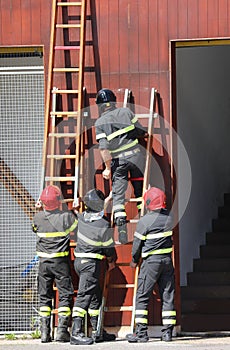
x=48 y=89
x=52 y=145
x=149 y=145
x=79 y=117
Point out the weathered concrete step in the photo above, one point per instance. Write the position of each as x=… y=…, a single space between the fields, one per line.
x=219 y=278
x=218 y=237
x=205 y=322
x=215 y=251
x=221 y=225
x=206 y=306
x=211 y=291
x=211 y=264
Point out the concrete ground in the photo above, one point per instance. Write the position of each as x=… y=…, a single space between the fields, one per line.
x=198 y=342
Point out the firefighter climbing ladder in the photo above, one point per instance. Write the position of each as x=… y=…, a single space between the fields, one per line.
x=64 y=124
x=150 y=116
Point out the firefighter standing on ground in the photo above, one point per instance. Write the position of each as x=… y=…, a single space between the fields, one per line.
x=52 y=227
x=152 y=242
x=117 y=131
x=94 y=242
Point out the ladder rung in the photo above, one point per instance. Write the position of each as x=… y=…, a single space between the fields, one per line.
x=68 y=25
x=60 y=135
x=60 y=178
x=61 y=156
x=118 y=308
x=133 y=221
x=119 y=286
x=76 y=3
x=65 y=113
x=66 y=70
x=65 y=91
x=67 y=47
x=143 y=116
x=133 y=200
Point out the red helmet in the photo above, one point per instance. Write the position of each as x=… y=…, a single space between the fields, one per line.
x=154 y=199
x=50 y=197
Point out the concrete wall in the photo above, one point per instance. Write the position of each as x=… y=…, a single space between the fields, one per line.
x=203 y=112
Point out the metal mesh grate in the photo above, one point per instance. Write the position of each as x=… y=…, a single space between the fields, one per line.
x=21 y=139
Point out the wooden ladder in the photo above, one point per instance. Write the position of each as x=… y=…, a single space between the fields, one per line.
x=64 y=99
x=133 y=285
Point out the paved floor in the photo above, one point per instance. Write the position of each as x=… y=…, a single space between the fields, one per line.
x=185 y=342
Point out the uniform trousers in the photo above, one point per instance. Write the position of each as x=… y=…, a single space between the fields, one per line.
x=156 y=269
x=58 y=270
x=89 y=292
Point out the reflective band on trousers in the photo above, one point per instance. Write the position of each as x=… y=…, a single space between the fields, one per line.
x=45 y=311
x=64 y=311
x=52 y=255
x=88 y=255
x=153 y=235
x=157 y=251
x=169 y=317
x=123 y=148
x=78 y=311
x=94 y=243
x=93 y=312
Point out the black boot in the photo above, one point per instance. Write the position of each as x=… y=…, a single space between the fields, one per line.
x=77 y=336
x=97 y=337
x=45 y=330
x=167 y=334
x=140 y=336
x=122 y=230
x=62 y=334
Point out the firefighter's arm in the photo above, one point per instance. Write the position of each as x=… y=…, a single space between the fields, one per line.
x=105 y=154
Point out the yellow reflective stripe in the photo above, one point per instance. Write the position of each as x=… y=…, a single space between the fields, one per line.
x=139 y=206
x=168 y=313
x=168 y=321
x=64 y=311
x=72 y=227
x=52 y=255
x=52 y=234
x=45 y=311
x=141 y=320
x=141 y=312
x=118 y=214
x=153 y=235
x=89 y=255
x=157 y=251
x=141 y=237
x=94 y=243
x=118 y=206
x=134 y=120
x=78 y=311
x=120 y=132
x=123 y=148
x=93 y=312
x=159 y=235
x=101 y=136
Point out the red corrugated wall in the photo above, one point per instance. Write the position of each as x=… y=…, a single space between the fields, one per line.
x=132 y=49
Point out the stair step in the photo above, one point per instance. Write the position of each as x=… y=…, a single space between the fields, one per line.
x=211 y=264
x=218 y=237
x=205 y=322
x=215 y=251
x=224 y=212
x=206 y=306
x=208 y=278
x=227 y=199
x=221 y=225
x=213 y=292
